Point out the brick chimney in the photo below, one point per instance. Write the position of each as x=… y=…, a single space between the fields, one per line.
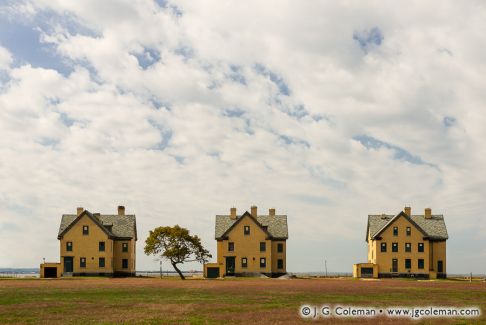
x=271 y=212
x=79 y=210
x=408 y=211
x=233 y=213
x=254 y=211
x=121 y=210
x=428 y=213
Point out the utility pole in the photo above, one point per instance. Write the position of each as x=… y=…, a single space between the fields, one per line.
x=325 y=265
x=161 y=268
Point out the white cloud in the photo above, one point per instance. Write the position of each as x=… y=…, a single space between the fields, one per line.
x=5 y=58
x=207 y=121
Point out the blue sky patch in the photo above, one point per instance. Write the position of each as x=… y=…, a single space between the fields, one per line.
x=66 y=120
x=48 y=142
x=24 y=43
x=366 y=39
x=185 y=51
x=233 y=112
x=236 y=75
x=293 y=141
x=172 y=8
x=275 y=78
x=398 y=153
x=449 y=121
x=165 y=134
x=147 y=58
x=22 y=37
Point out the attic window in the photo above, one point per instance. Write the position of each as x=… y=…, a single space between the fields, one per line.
x=246 y=230
x=85 y=230
x=409 y=231
x=125 y=247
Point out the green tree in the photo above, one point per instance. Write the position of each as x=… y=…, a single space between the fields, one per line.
x=176 y=245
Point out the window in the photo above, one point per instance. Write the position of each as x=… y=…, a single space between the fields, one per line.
x=125 y=263
x=101 y=246
x=394 y=247
x=231 y=247
x=85 y=230
x=408 y=263
x=383 y=247
x=421 y=247
x=82 y=262
x=395 y=231
x=263 y=262
x=246 y=230
x=421 y=263
x=69 y=246
x=280 y=263
x=263 y=246
x=409 y=231
x=408 y=247
x=101 y=262
x=280 y=247
x=244 y=262
x=125 y=247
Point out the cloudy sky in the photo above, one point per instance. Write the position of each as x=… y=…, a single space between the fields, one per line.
x=325 y=111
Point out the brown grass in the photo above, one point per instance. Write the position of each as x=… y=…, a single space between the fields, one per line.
x=235 y=301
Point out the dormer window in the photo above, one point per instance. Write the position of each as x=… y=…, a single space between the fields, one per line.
x=85 y=230
x=246 y=230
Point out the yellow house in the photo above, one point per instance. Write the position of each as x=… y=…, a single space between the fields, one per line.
x=405 y=245
x=249 y=244
x=96 y=244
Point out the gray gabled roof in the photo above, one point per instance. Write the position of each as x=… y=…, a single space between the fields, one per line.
x=276 y=225
x=434 y=228
x=117 y=226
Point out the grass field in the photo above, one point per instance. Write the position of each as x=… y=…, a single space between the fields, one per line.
x=229 y=301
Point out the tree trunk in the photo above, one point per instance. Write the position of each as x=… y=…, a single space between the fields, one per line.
x=178 y=271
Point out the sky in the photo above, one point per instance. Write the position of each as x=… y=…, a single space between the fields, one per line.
x=326 y=111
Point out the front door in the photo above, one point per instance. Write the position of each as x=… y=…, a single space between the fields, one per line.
x=230 y=265
x=68 y=264
x=394 y=265
x=440 y=267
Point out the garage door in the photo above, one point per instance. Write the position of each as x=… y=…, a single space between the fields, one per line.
x=366 y=272
x=50 y=272
x=213 y=272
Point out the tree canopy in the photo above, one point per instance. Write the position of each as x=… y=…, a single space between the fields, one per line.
x=176 y=245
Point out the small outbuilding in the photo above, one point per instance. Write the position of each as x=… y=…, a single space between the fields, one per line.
x=212 y=270
x=365 y=270
x=50 y=270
